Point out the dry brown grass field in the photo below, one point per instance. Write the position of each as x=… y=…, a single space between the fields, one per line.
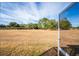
x=26 y=42
x=69 y=37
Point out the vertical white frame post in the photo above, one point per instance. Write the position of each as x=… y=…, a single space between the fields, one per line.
x=58 y=36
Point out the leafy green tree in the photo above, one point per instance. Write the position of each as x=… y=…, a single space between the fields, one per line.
x=45 y=23
x=13 y=24
x=65 y=24
x=35 y=26
x=52 y=24
x=23 y=26
x=32 y=26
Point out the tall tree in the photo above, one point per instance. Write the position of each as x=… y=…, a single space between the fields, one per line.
x=44 y=23
x=47 y=23
x=13 y=24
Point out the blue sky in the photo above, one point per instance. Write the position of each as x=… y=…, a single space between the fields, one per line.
x=27 y=12
x=72 y=14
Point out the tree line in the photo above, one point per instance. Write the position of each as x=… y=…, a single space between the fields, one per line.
x=65 y=24
x=43 y=23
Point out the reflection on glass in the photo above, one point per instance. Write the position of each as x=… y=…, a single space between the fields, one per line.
x=69 y=29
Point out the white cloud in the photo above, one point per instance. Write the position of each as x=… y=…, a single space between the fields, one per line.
x=29 y=12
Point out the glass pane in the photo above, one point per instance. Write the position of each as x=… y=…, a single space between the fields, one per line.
x=69 y=30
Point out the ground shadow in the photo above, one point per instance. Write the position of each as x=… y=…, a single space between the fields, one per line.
x=51 y=52
x=72 y=50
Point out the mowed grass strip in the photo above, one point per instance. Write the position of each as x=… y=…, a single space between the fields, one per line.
x=27 y=42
